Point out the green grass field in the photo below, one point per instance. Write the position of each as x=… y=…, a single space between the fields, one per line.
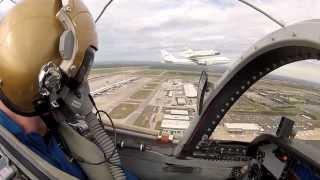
x=145 y=117
x=123 y=110
x=142 y=94
x=151 y=86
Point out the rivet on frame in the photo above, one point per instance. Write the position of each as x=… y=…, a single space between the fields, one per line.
x=205 y=137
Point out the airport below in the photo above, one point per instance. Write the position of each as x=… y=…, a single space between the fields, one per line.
x=164 y=100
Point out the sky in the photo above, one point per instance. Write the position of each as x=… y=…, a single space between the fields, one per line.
x=137 y=30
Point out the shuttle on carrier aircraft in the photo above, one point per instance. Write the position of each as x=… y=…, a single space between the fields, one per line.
x=202 y=57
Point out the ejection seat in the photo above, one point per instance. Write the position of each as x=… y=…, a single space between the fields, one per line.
x=34 y=167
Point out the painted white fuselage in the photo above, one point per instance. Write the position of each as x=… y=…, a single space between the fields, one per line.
x=205 y=58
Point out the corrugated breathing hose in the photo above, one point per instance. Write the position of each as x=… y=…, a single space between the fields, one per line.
x=107 y=146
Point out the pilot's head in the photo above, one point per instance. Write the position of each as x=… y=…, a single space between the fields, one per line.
x=34 y=33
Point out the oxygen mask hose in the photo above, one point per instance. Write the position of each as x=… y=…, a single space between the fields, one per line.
x=106 y=145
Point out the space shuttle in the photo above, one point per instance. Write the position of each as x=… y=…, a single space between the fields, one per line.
x=203 y=57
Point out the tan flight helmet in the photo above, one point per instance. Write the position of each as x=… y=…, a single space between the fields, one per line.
x=36 y=32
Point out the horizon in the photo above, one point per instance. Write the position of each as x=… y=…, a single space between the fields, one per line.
x=128 y=32
x=217 y=69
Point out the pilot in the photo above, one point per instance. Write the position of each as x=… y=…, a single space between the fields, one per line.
x=31 y=35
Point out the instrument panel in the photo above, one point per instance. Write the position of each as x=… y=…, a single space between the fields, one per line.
x=222 y=151
x=278 y=158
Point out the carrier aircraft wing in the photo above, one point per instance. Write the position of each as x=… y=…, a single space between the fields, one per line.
x=203 y=59
x=169 y=58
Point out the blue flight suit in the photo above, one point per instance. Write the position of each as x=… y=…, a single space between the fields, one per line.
x=48 y=149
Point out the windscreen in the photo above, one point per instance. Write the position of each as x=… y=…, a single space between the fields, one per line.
x=151 y=56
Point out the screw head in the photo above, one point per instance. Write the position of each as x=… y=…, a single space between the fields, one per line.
x=68 y=9
x=72 y=70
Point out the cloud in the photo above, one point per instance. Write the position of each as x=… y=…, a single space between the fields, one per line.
x=301 y=70
x=228 y=26
x=5 y=6
x=137 y=30
x=144 y=27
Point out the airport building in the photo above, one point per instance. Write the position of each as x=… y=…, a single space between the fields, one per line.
x=175 y=120
x=242 y=127
x=181 y=101
x=174 y=127
x=178 y=112
x=175 y=123
x=190 y=90
x=175 y=82
x=115 y=85
x=176 y=117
